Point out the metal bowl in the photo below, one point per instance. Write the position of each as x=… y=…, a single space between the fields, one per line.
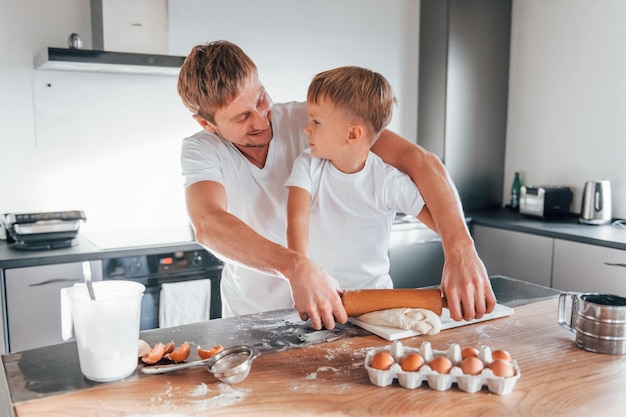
x=232 y=365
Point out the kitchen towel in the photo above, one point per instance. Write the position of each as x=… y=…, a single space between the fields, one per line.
x=184 y=302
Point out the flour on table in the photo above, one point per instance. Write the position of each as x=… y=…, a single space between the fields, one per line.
x=313 y=375
x=175 y=397
x=228 y=396
x=419 y=320
x=319 y=337
x=200 y=390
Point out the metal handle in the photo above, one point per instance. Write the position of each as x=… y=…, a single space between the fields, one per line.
x=55 y=281
x=87 y=277
x=597 y=203
x=163 y=369
x=562 y=302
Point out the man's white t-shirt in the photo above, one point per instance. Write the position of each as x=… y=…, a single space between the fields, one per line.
x=351 y=217
x=256 y=196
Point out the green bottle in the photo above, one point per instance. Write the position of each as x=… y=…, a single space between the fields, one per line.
x=515 y=192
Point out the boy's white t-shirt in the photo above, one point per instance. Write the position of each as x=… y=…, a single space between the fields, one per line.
x=256 y=196
x=351 y=217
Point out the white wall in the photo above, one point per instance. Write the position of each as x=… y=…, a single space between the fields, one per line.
x=567 y=95
x=109 y=144
x=292 y=40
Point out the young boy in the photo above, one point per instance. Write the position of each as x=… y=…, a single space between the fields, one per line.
x=342 y=197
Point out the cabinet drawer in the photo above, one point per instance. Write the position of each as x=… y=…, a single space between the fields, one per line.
x=581 y=267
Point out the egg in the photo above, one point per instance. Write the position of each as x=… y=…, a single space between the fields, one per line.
x=142 y=348
x=207 y=353
x=471 y=365
x=501 y=354
x=469 y=352
x=382 y=361
x=169 y=347
x=501 y=367
x=440 y=364
x=179 y=354
x=412 y=362
x=154 y=355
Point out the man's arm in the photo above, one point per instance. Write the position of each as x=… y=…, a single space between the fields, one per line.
x=314 y=291
x=464 y=281
x=425 y=217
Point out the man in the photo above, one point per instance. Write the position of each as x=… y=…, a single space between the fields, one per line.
x=235 y=170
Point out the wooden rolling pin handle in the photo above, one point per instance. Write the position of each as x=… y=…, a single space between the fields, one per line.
x=357 y=302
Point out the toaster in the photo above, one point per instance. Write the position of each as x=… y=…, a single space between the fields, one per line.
x=545 y=202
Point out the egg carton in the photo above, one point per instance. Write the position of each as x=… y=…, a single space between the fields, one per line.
x=440 y=382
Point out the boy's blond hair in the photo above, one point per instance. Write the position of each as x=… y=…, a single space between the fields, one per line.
x=363 y=94
x=212 y=76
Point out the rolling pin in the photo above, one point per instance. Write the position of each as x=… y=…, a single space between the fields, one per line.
x=357 y=302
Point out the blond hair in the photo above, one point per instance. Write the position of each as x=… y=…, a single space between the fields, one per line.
x=212 y=76
x=363 y=94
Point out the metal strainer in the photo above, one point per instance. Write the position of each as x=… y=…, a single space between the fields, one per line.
x=232 y=365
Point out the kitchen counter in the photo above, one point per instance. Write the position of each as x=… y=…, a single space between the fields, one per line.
x=567 y=227
x=103 y=245
x=302 y=372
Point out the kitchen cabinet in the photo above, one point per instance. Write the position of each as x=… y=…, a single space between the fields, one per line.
x=33 y=302
x=558 y=263
x=581 y=267
x=519 y=255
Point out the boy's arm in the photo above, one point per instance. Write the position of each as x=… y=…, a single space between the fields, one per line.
x=298 y=210
x=464 y=282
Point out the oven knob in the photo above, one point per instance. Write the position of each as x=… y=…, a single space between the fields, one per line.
x=197 y=260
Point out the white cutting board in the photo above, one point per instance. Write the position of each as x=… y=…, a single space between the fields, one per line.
x=394 y=333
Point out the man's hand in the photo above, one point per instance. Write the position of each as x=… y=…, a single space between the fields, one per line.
x=466 y=286
x=316 y=295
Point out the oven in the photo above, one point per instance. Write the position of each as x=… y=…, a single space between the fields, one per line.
x=154 y=270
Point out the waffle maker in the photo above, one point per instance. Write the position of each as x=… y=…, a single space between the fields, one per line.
x=42 y=231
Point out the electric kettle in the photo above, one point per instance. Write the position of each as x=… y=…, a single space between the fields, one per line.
x=596 y=204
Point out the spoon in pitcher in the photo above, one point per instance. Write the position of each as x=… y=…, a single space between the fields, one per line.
x=87 y=277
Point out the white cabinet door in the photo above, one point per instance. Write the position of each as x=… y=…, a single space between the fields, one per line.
x=33 y=302
x=514 y=254
x=580 y=267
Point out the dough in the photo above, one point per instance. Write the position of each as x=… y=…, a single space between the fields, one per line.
x=417 y=319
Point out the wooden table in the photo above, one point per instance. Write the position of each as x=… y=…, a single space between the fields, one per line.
x=557 y=379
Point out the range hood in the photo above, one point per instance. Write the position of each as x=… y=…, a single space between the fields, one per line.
x=137 y=31
x=60 y=59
